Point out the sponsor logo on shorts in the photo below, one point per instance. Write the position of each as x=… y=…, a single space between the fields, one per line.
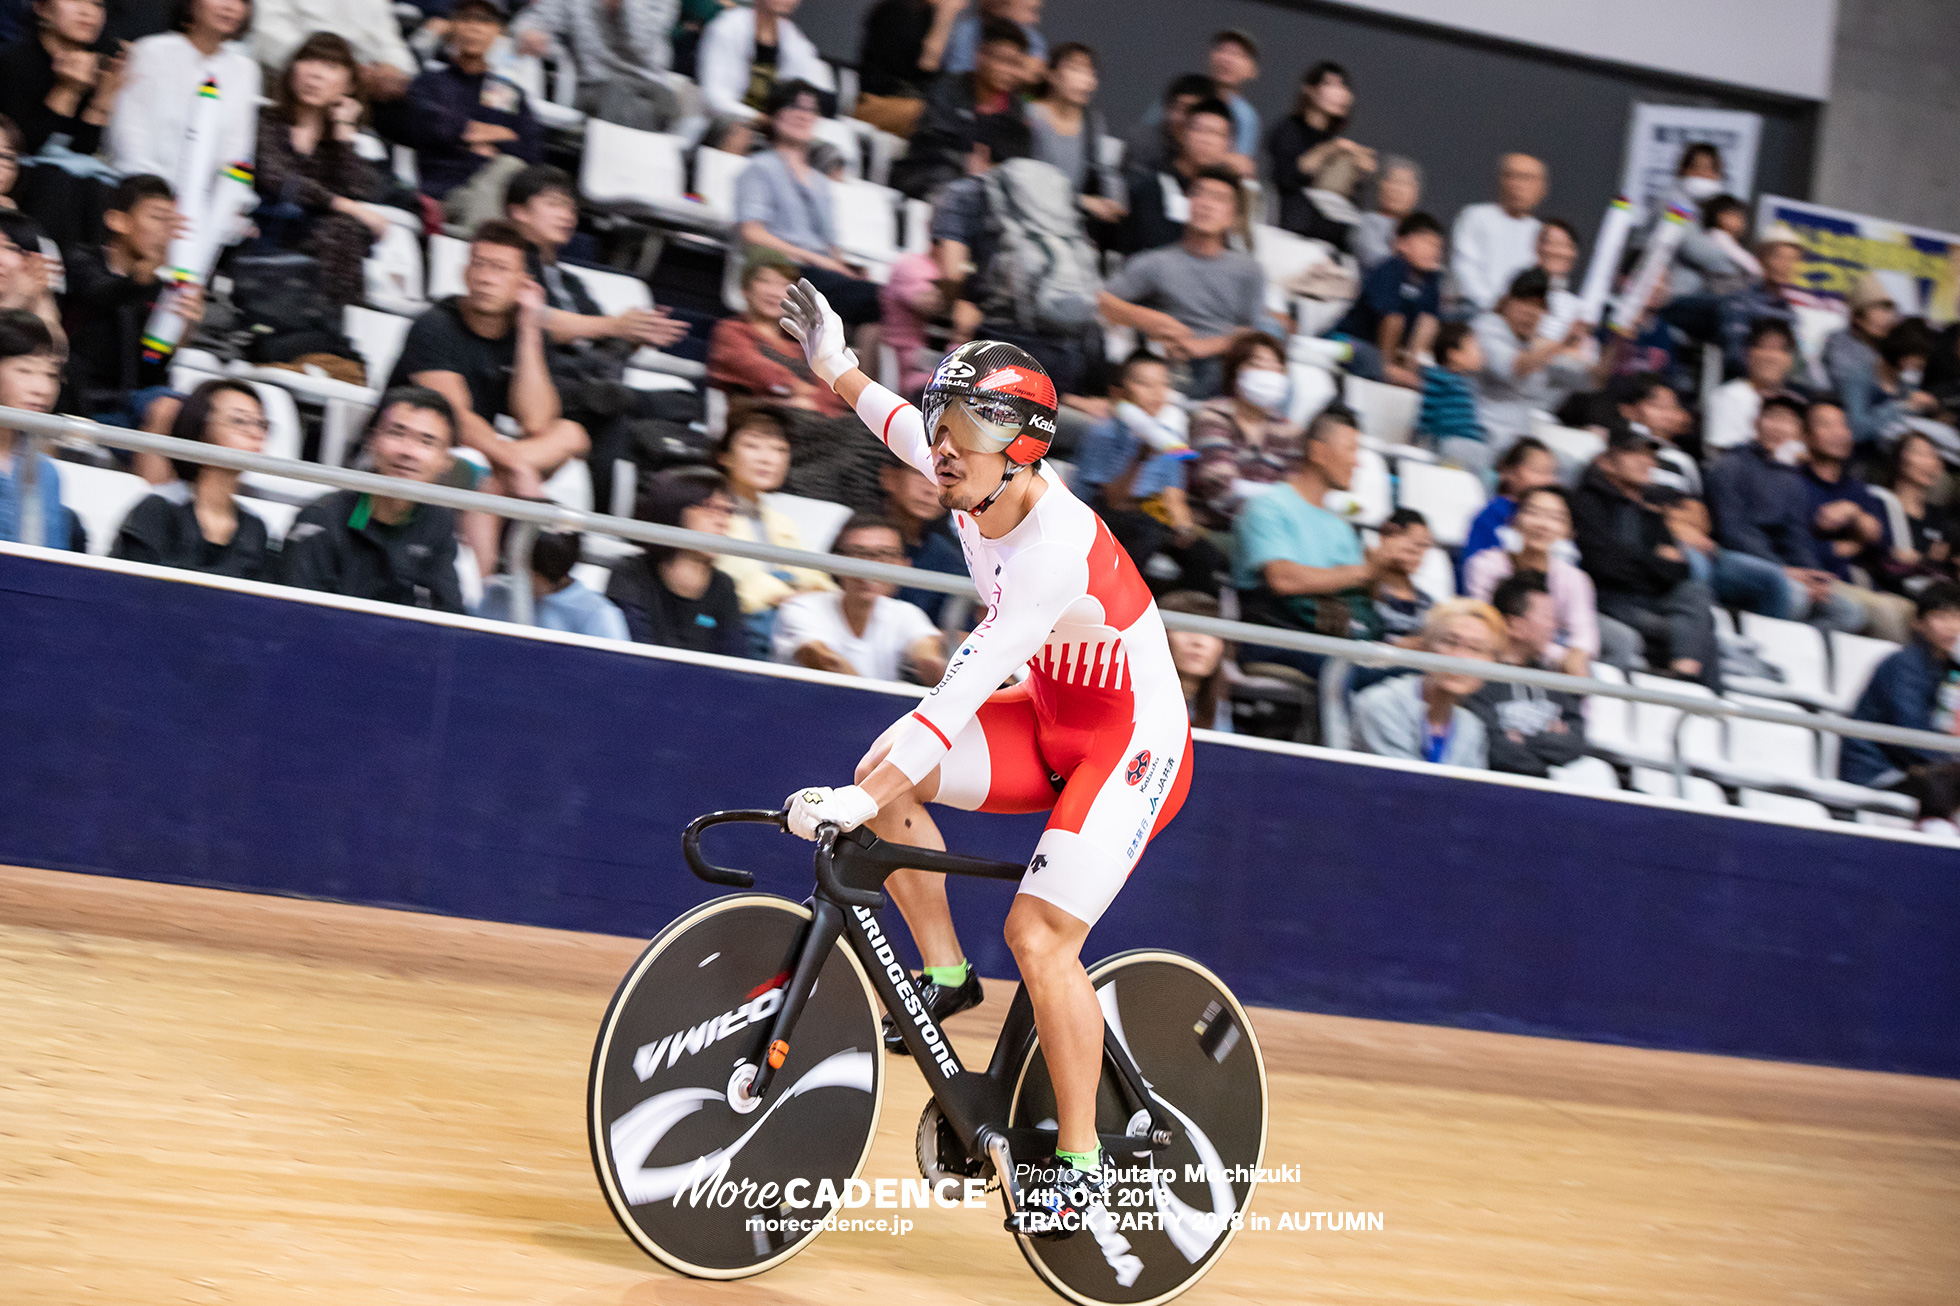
x=1040 y=863
x=1138 y=769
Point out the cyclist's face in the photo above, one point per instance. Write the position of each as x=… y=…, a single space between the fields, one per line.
x=965 y=476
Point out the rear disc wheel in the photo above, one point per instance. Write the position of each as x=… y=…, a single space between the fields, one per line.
x=1196 y=1050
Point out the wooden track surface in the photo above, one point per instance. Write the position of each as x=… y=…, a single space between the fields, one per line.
x=211 y=1097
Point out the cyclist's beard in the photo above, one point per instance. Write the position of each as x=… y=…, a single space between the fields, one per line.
x=972 y=488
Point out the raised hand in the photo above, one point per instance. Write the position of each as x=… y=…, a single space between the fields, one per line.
x=810 y=320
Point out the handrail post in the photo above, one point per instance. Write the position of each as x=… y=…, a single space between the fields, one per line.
x=518 y=544
x=27 y=479
x=1680 y=764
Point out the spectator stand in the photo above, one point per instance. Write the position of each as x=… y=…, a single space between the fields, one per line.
x=1649 y=724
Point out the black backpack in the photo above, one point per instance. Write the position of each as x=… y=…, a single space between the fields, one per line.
x=278 y=299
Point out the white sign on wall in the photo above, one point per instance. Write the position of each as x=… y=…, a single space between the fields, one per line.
x=1660 y=132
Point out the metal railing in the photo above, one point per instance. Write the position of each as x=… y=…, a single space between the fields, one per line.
x=40 y=429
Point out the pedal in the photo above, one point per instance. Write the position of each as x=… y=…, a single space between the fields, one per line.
x=1003 y=1162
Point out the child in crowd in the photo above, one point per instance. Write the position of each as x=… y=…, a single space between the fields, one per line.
x=560 y=601
x=1405 y=542
x=1130 y=468
x=111 y=294
x=1449 y=400
x=1727 y=221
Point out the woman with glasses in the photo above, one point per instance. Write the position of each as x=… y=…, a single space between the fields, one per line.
x=196 y=523
x=676 y=597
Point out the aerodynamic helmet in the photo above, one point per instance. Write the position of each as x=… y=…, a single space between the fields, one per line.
x=999 y=398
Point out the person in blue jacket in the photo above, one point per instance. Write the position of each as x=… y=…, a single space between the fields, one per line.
x=1917 y=688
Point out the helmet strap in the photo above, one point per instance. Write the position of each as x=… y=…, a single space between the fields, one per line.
x=1013 y=469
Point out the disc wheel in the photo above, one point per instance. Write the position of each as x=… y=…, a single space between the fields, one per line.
x=665 y=1103
x=1196 y=1051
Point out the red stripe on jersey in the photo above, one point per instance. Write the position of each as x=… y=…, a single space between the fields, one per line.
x=1114 y=581
x=935 y=729
x=886 y=434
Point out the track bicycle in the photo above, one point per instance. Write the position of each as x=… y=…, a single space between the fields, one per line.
x=737 y=1079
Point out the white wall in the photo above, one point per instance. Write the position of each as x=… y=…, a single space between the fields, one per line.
x=1769 y=45
x=1890 y=129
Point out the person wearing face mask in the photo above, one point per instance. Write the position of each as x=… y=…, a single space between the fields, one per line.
x=1917 y=688
x=1851 y=355
x=1702 y=265
x=1762 y=510
x=1880 y=403
x=1540 y=542
x=1558 y=255
x=1242 y=438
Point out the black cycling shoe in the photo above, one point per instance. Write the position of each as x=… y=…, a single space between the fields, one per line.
x=940 y=1001
x=1056 y=1199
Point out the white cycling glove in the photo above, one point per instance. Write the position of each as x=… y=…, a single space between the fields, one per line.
x=846 y=808
x=808 y=316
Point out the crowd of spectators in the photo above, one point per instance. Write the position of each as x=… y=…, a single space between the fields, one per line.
x=1812 y=490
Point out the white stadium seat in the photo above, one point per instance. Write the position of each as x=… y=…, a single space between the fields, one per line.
x=1369 y=497
x=1448 y=497
x=865 y=215
x=715 y=172
x=448 y=257
x=817 y=520
x=1853 y=659
x=1386 y=412
x=842 y=133
x=378 y=338
x=100 y=498
x=636 y=169
x=1794 y=648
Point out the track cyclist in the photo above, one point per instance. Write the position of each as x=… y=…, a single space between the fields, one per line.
x=1097 y=732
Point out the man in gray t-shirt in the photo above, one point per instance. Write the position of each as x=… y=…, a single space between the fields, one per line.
x=1193 y=298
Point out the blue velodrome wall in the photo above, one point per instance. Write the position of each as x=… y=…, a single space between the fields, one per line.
x=221 y=736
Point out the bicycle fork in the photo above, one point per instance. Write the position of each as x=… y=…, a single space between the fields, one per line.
x=826 y=926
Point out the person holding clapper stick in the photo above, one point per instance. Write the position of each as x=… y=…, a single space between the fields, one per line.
x=189 y=113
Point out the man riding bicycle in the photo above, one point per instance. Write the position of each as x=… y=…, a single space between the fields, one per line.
x=1097 y=733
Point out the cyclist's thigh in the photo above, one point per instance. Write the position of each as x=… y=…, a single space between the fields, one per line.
x=1126 y=788
x=995 y=763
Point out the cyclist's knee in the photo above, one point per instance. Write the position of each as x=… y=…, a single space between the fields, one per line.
x=1038 y=932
